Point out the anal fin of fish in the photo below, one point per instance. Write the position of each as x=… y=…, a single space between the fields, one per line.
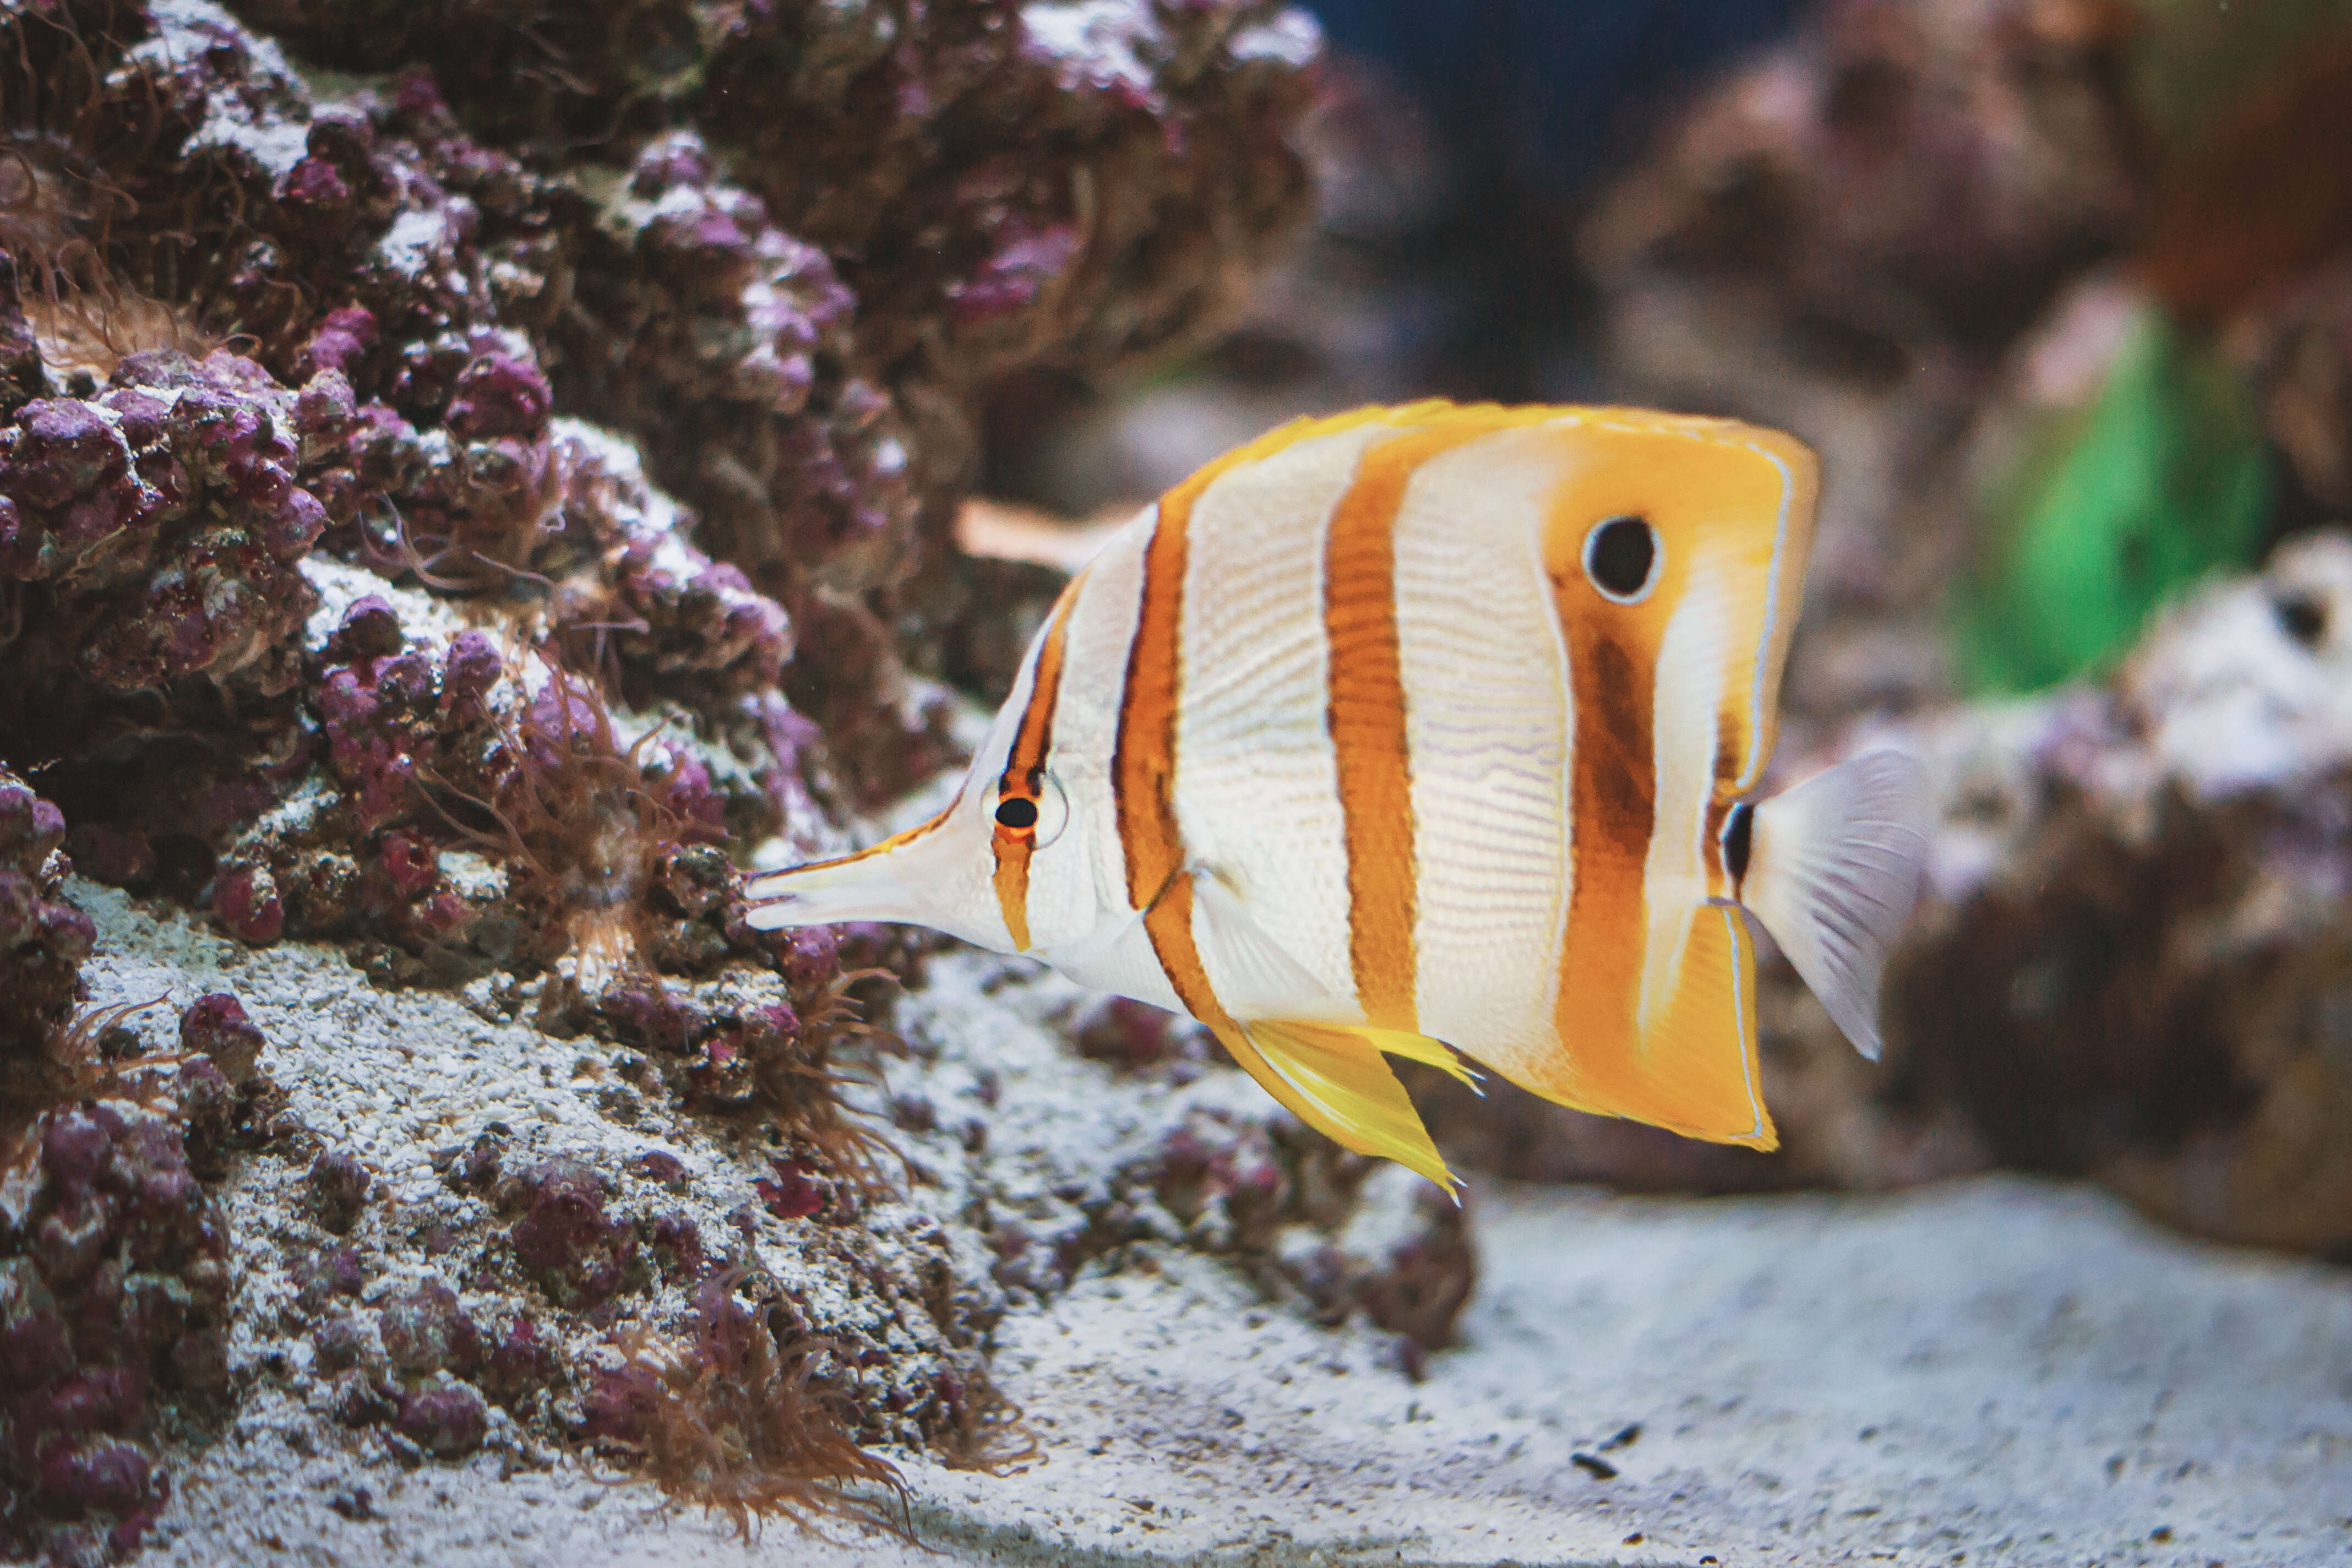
x=1695 y=1070
x=1336 y=1081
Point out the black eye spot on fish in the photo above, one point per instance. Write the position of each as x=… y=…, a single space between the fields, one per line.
x=1738 y=828
x=1018 y=812
x=1621 y=557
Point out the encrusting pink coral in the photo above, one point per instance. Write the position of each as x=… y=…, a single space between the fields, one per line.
x=114 y=1293
x=152 y=531
x=43 y=937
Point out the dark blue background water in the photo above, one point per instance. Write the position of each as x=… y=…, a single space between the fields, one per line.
x=1545 y=92
x=1534 y=103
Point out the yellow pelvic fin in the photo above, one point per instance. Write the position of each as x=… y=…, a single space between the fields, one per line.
x=1333 y=1079
x=1415 y=1047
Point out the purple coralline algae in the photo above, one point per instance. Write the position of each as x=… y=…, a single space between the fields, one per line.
x=217 y=1027
x=115 y=1298
x=580 y=1255
x=43 y=937
x=424 y=1329
x=153 y=537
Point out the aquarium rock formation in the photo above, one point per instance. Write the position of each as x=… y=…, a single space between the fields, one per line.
x=466 y=485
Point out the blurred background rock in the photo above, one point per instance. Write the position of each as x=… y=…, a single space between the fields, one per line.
x=2062 y=289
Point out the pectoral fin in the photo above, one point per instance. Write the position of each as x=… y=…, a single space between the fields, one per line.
x=1254 y=972
x=1335 y=1081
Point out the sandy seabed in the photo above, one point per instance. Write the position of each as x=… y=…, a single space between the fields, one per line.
x=1996 y=1371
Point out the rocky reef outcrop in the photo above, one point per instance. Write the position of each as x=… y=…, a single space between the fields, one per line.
x=465 y=482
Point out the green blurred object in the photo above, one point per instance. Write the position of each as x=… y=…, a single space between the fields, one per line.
x=2163 y=478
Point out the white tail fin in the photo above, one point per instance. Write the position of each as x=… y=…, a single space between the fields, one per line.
x=1833 y=870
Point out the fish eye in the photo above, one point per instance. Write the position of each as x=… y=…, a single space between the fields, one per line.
x=1042 y=816
x=1621 y=558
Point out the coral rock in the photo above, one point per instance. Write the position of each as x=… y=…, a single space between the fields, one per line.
x=447 y=1422
x=2138 y=918
x=424 y=1329
x=338 y=1185
x=43 y=937
x=1798 y=173
x=1408 y=1256
x=155 y=527
x=215 y=1026
x=579 y=1254
x=114 y=1294
x=521 y=1361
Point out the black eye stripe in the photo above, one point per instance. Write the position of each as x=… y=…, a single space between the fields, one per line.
x=1621 y=557
x=1016 y=812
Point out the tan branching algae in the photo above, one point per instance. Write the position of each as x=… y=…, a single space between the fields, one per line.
x=735 y=1419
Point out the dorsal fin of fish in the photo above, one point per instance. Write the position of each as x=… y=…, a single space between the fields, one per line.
x=1336 y=1081
x=1834 y=871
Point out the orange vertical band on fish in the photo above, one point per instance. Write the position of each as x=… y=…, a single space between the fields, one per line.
x=1023 y=779
x=1430 y=730
x=1144 y=766
x=1616 y=568
x=1368 y=723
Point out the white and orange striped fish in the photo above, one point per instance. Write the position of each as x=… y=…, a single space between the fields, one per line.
x=1425 y=730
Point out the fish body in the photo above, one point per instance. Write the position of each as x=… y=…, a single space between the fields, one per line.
x=1424 y=730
